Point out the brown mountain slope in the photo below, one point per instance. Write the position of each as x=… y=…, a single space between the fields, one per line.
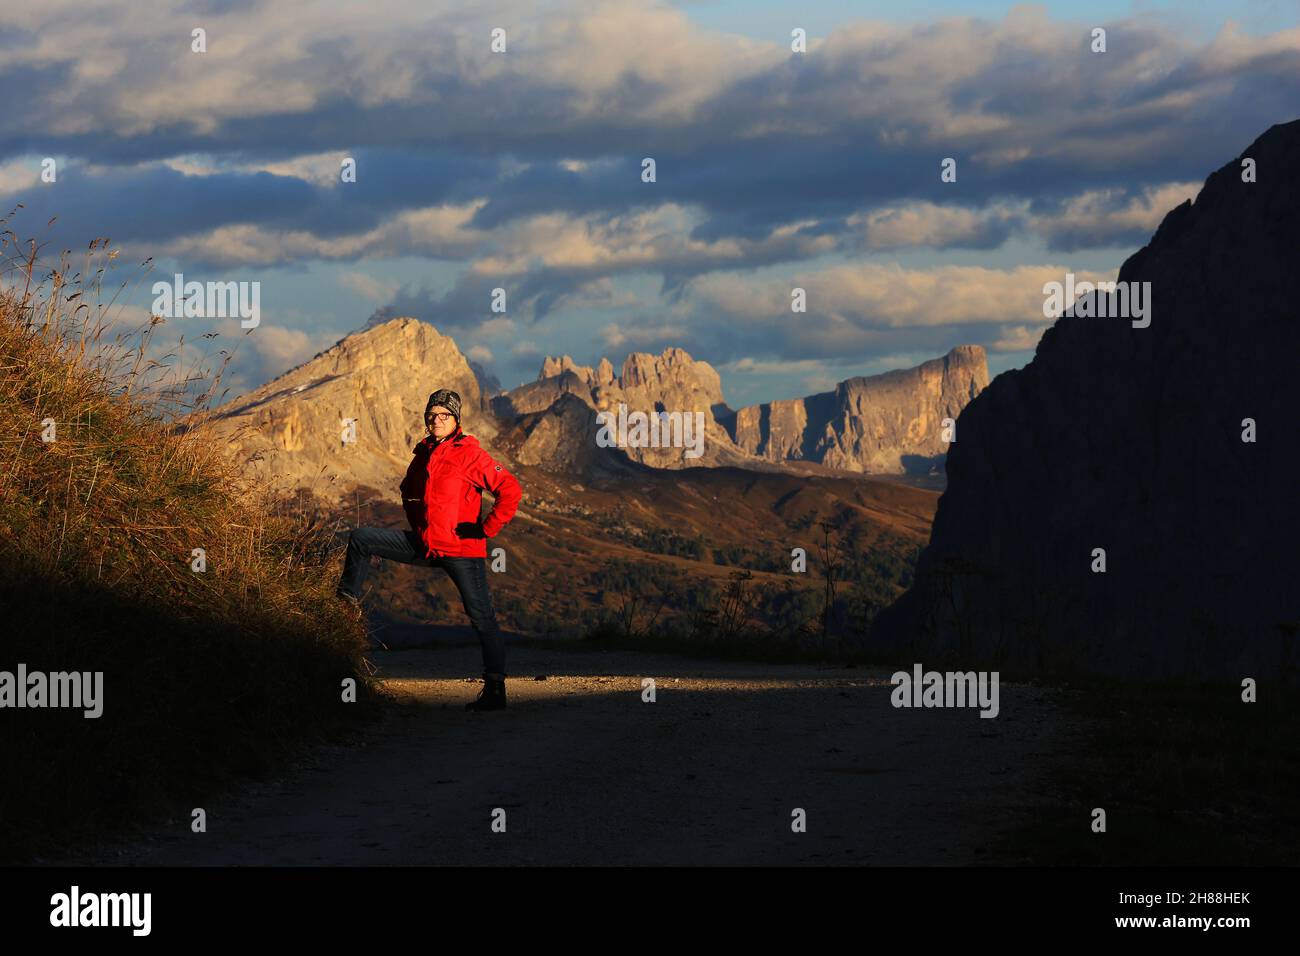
x=597 y=530
x=578 y=552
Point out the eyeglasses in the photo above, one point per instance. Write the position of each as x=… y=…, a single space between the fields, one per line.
x=440 y=416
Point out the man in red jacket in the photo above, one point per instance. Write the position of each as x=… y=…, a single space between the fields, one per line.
x=442 y=496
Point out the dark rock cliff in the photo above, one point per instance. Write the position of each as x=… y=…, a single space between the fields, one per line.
x=1131 y=440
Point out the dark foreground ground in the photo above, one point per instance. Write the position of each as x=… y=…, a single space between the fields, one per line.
x=589 y=774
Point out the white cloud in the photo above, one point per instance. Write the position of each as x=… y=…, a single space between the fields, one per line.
x=1093 y=217
x=368 y=287
x=925 y=224
x=613 y=336
x=875 y=309
x=438 y=232
x=755 y=366
x=280 y=347
x=22 y=173
x=886 y=296
x=1017 y=338
x=319 y=169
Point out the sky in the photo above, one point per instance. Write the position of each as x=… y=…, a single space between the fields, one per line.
x=522 y=170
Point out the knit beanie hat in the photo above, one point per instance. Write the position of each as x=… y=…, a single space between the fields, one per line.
x=447 y=399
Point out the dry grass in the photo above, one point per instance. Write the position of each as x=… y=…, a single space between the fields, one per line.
x=205 y=674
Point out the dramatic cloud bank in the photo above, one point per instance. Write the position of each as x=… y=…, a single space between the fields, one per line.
x=522 y=170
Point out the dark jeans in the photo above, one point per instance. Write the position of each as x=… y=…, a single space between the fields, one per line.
x=468 y=574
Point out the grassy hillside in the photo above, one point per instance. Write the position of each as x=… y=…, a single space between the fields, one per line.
x=206 y=674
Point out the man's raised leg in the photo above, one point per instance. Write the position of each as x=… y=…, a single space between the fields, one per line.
x=404 y=546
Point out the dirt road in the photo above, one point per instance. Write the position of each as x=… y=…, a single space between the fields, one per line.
x=587 y=773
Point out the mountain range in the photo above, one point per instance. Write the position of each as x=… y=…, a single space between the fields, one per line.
x=1122 y=505
x=349 y=417
x=604 y=530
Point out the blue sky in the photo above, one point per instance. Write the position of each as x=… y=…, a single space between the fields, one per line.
x=521 y=170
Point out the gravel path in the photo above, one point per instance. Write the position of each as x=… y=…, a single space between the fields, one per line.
x=589 y=774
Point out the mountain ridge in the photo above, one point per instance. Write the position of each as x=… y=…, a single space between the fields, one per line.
x=293 y=430
x=890 y=423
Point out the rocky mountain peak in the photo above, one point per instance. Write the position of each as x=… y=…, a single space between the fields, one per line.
x=672 y=369
x=351 y=414
x=604 y=372
x=880 y=424
x=552 y=366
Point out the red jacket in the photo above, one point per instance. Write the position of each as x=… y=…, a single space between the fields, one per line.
x=442 y=494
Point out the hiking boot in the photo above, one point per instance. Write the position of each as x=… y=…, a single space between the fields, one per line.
x=493 y=694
